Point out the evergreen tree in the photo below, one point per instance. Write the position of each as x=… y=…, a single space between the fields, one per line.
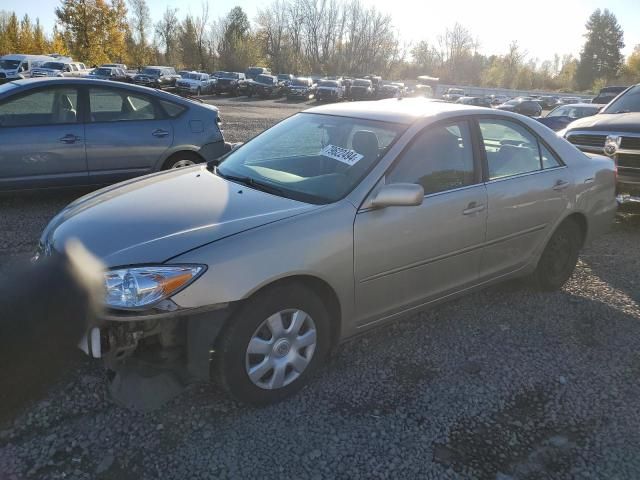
x=601 y=56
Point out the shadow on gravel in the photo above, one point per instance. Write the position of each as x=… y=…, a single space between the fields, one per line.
x=521 y=441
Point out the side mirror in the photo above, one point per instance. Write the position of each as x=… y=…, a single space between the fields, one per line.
x=398 y=195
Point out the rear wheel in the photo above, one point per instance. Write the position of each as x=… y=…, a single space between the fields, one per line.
x=273 y=344
x=180 y=160
x=560 y=256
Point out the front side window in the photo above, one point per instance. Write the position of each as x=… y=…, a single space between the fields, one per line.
x=512 y=150
x=115 y=105
x=439 y=159
x=52 y=106
x=311 y=157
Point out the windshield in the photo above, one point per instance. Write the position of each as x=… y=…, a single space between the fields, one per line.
x=312 y=158
x=102 y=71
x=300 y=82
x=53 y=65
x=328 y=83
x=573 y=112
x=192 y=76
x=9 y=64
x=283 y=77
x=264 y=79
x=362 y=83
x=151 y=71
x=513 y=102
x=628 y=102
x=228 y=75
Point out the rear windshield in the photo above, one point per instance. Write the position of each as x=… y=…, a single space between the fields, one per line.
x=53 y=65
x=301 y=82
x=151 y=71
x=362 y=83
x=102 y=71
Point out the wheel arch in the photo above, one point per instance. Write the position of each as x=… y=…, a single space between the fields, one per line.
x=184 y=152
x=315 y=284
x=581 y=219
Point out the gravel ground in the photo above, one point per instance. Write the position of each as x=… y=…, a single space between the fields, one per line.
x=506 y=383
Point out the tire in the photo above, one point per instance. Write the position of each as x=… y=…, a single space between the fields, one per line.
x=180 y=160
x=249 y=325
x=560 y=256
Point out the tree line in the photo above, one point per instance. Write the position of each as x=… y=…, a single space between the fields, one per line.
x=313 y=36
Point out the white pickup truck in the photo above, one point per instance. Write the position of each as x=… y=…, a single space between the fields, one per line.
x=61 y=69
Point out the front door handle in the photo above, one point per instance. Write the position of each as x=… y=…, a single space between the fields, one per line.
x=560 y=185
x=69 y=138
x=473 y=207
x=159 y=133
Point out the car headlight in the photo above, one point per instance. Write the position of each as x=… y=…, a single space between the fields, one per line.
x=142 y=286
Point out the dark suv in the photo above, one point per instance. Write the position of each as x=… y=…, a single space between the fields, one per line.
x=253 y=72
x=157 y=77
x=233 y=83
x=615 y=132
x=607 y=94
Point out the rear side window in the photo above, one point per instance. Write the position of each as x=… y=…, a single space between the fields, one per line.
x=52 y=106
x=512 y=150
x=172 y=109
x=115 y=105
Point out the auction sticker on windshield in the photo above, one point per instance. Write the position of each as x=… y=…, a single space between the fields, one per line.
x=344 y=155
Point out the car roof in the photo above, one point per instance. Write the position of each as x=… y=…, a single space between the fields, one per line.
x=32 y=82
x=405 y=110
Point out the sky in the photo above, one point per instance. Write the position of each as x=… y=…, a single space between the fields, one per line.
x=542 y=27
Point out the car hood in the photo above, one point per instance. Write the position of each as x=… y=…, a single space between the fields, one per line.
x=154 y=218
x=620 y=122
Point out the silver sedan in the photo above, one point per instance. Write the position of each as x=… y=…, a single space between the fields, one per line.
x=334 y=221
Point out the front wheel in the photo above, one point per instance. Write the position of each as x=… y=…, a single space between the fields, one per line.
x=560 y=256
x=274 y=343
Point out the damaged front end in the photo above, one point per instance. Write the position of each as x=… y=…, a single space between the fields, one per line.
x=152 y=356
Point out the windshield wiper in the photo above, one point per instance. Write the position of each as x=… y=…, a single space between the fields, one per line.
x=252 y=183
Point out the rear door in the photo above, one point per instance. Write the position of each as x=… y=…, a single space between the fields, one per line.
x=42 y=142
x=528 y=190
x=127 y=134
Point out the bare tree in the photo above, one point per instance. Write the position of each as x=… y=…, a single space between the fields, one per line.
x=201 y=24
x=168 y=31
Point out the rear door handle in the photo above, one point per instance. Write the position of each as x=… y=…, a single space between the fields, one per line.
x=69 y=138
x=560 y=185
x=159 y=133
x=473 y=207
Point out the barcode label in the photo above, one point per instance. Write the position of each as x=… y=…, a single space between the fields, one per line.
x=344 y=155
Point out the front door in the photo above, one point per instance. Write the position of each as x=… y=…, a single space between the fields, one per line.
x=41 y=140
x=127 y=134
x=406 y=256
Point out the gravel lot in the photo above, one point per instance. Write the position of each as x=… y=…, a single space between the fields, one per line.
x=506 y=383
